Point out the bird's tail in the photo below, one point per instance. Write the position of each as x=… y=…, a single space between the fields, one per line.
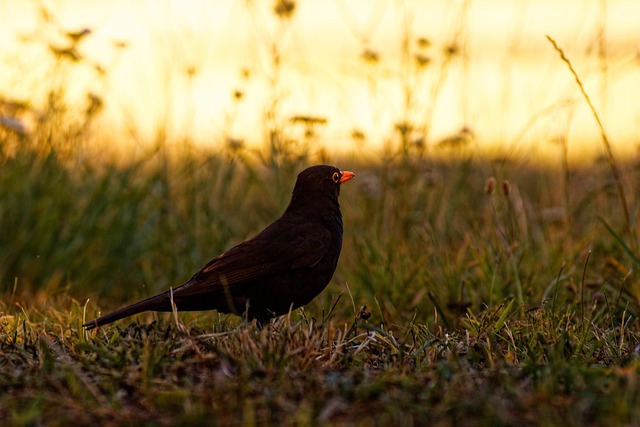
x=161 y=302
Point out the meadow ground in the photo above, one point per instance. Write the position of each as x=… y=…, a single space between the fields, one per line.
x=469 y=292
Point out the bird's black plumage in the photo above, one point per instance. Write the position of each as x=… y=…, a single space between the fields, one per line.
x=285 y=266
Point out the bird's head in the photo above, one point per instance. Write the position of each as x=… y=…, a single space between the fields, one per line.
x=318 y=183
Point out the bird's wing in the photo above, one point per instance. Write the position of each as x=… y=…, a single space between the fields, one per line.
x=271 y=252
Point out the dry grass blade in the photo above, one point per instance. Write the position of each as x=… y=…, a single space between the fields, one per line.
x=617 y=176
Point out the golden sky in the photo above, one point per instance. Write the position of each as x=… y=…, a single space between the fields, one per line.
x=182 y=65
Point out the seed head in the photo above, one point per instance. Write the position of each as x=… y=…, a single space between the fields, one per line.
x=490 y=185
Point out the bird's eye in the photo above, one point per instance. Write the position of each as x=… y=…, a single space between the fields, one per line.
x=336 y=177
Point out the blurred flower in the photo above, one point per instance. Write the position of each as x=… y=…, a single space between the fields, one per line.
x=422 y=60
x=284 y=8
x=235 y=144
x=403 y=128
x=358 y=136
x=490 y=185
x=423 y=42
x=506 y=187
x=463 y=137
x=95 y=104
x=76 y=36
x=309 y=120
x=452 y=50
x=370 y=56
x=69 y=53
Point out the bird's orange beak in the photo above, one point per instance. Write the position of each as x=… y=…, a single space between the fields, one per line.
x=346 y=176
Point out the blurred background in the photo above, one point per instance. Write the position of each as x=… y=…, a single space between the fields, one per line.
x=140 y=139
x=341 y=74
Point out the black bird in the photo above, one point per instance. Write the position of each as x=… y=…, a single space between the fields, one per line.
x=283 y=267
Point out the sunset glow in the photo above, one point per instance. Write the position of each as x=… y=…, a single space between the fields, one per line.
x=210 y=72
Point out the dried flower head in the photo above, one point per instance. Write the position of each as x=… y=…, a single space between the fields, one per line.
x=370 y=56
x=506 y=187
x=490 y=185
x=284 y=8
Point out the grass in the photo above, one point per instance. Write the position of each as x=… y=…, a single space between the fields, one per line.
x=482 y=306
x=472 y=291
x=300 y=372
